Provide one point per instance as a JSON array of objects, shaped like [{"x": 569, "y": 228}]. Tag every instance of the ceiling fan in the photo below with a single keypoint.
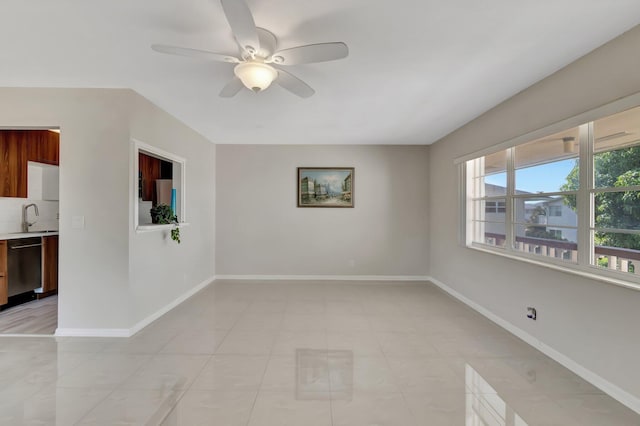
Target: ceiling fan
[{"x": 260, "y": 63}]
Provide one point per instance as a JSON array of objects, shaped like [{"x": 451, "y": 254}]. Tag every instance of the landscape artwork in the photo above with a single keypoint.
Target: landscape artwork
[{"x": 325, "y": 186}]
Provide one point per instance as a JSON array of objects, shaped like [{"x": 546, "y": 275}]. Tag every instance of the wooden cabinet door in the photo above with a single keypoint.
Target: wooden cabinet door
[
  {"x": 4, "y": 287},
  {"x": 13, "y": 164},
  {"x": 150, "y": 169},
  {"x": 49, "y": 263},
  {"x": 16, "y": 148},
  {"x": 43, "y": 146}
]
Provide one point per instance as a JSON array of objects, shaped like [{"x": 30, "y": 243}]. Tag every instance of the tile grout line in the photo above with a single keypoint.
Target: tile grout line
[{"x": 404, "y": 398}]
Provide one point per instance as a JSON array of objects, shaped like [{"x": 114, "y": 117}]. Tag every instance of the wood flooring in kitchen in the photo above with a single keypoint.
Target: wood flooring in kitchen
[{"x": 36, "y": 317}]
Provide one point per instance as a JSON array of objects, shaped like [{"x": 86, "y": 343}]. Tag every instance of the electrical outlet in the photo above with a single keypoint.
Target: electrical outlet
[{"x": 532, "y": 313}]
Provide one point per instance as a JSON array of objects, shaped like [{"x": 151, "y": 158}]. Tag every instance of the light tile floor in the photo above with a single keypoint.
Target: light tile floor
[{"x": 300, "y": 354}]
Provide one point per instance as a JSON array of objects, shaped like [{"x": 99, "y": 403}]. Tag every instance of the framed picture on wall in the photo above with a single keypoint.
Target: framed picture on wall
[{"x": 325, "y": 186}]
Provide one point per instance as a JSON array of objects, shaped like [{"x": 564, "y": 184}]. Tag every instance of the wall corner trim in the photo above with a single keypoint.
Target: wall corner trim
[
  {"x": 128, "y": 332},
  {"x": 325, "y": 277},
  {"x": 607, "y": 387}
]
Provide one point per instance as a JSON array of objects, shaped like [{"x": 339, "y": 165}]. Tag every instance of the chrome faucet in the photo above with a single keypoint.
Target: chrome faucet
[{"x": 25, "y": 223}]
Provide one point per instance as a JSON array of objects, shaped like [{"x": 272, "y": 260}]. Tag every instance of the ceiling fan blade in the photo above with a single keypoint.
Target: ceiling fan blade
[
  {"x": 193, "y": 53},
  {"x": 232, "y": 88},
  {"x": 294, "y": 84},
  {"x": 311, "y": 53},
  {"x": 242, "y": 24}
]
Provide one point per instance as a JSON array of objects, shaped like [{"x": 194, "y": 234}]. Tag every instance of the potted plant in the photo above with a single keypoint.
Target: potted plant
[{"x": 162, "y": 214}]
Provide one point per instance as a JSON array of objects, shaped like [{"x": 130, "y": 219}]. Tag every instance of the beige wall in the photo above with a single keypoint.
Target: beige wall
[
  {"x": 260, "y": 231},
  {"x": 100, "y": 290},
  {"x": 93, "y": 184},
  {"x": 590, "y": 322},
  {"x": 161, "y": 270}
]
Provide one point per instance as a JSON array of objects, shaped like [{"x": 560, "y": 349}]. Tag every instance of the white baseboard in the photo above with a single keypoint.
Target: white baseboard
[
  {"x": 128, "y": 332},
  {"x": 160, "y": 312},
  {"x": 92, "y": 332},
  {"x": 324, "y": 277},
  {"x": 51, "y": 336},
  {"x": 609, "y": 388}
]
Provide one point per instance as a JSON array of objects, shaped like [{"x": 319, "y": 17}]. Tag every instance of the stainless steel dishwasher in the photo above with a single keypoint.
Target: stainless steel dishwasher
[{"x": 24, "y": 264}]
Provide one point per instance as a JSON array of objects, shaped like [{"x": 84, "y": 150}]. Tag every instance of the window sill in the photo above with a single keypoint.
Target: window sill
[
  {"x": 568, "y": 268},
  {"x": 159, "y": 227}
]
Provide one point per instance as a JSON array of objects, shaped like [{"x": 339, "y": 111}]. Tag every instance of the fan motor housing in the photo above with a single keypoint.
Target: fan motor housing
[{"x": 268, "y": 44}]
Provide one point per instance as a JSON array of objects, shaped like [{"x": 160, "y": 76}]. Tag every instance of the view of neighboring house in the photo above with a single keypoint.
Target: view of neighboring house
[
  {"x": 557, "y": 216},
  {"x": 551, "y": 215}
]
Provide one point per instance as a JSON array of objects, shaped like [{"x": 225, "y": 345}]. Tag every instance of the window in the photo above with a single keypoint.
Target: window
[
  {"x": 160, "y": 179},
  {"x": 555, "y": 211},
  {"x": 555, "y": 233},
  {"x": 488, "y": 179},
  {"x": 571, "y": 198},
  {"x": 616, "y": 192},
  {"x": 495, "y": 207}
]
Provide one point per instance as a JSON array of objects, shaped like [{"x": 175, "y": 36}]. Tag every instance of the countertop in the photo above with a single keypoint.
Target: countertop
[{"x": 15, "y": 235}]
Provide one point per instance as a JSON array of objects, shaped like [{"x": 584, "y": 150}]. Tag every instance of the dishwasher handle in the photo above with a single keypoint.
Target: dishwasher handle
[{"x": 25, "y": 246}]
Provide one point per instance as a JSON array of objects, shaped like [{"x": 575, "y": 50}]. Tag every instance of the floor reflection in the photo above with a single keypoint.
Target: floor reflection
[
  {"x": 323, "y": 374},
  {"x": 274, "y": 354},
  {"x": 483, "y": 404}
]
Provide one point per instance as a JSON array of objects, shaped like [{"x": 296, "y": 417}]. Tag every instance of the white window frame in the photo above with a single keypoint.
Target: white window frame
[
  {"x": 585, "y": 198},
  {"x": 137, "y": 147}
]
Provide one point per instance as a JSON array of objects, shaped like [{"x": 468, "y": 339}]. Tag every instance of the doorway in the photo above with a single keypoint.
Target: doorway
[{"x": 29, "y": 228}]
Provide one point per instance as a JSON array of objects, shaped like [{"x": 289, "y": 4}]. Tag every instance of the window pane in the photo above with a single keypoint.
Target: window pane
[
  {"x": 557, "y": 242},
  {"x": 556, "y": 147},
  {"x": 490, "y": 210},
  {"x": 549, "y": 177},
  {"x": 490, "y": 233},
  {"x": 548, "y": 164},
  {"x": 545, "y": 211},
  {"x": 490, "y": 186},
  {"x": 495, "y": 185},
  {"x": 488, "y": 173},
  {"x": 617, "y": 131},
  {"x": 617, "y": 168},
  {"x": 495, "y": 163},
  {"x": 556, "y": 233},
  {"x": 619, "y": 210},
  {"x": 619, "y": 252}
]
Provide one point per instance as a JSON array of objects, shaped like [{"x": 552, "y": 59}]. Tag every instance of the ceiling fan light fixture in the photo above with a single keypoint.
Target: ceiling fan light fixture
[{"x": 256, "y": 76}]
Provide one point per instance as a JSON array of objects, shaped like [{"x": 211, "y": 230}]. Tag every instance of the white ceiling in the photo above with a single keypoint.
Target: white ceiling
[{"x": 417, "y": 69}]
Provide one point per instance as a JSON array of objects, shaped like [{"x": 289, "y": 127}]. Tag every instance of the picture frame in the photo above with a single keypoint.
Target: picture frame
[{"x": 326, "y": 187}]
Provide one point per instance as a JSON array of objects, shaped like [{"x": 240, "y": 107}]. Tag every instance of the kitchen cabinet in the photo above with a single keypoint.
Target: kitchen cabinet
[
  {"x": 17, "y": 147},
  {"x": 43, "y": 146},
  {"x": 49, "y": 263},
  {"x": 4, "y": 289},
  {"x": 13, "y": 164},
  {"x": 150, "y": 170}
]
